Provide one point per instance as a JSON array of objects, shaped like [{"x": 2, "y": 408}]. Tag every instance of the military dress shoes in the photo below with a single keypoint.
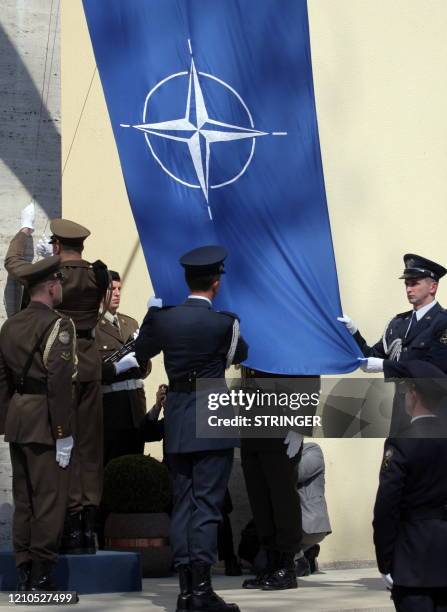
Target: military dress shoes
[
  {"x": 41, "y": 576},
  {"x": 203, "y": 598},
  {"x": 72, "y": 542},
  {"x": 185, "y": 582},
  {"x": 23, "y": 576},
  {"x": 284, "y": 576},
  {"x": 261, "y": 577}
]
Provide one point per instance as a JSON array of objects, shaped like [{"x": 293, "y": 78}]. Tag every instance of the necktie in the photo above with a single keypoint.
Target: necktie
[{"x": 413, "y": 321}]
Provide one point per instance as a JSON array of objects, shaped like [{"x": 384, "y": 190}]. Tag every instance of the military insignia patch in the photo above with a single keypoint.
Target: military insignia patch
[
  {"x": 66, "y": 356},
  {"x": 443, "y": 337},
  {"x": 387, "y": 458},
  {"x": 64, "y": 337}
]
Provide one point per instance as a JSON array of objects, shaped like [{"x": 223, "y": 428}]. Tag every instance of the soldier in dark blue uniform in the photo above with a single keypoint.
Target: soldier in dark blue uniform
[
  {"x": 197, "y": 342},
  {"x": 410, "y": 514},
  {"x": 420, "y": 333}
]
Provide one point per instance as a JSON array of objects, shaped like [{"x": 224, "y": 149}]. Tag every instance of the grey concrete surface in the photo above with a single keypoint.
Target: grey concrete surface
[
  {"x": 330, "y": 591},
  {"x": 30, "y": 150}
]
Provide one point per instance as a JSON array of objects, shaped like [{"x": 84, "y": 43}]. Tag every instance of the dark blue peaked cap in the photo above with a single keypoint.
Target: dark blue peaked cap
[
  {"x": 204, "y": 260},
  {"x": 420, "y": 267}
]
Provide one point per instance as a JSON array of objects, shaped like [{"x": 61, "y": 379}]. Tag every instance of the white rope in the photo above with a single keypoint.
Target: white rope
[
  {"x": 394, "y": 350},
  {"x": 233, "y": 345}
]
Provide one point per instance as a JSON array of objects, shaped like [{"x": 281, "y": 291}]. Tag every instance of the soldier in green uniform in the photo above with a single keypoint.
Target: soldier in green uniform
[
  {"x": 124, "y": 400},
  {"x": 37, "y": 370},
  {"x": 85, "y": 287}
]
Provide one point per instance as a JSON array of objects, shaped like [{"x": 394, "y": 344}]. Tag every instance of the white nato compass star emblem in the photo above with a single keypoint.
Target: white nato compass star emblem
[{"x": 198, "y": 130}]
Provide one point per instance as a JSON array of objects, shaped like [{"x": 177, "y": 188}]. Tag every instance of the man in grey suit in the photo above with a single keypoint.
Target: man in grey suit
[{"x": 316, "y": 525}]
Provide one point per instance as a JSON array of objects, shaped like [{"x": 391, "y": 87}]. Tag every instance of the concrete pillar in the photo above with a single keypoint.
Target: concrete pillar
[{"x": 30, "y": 151}]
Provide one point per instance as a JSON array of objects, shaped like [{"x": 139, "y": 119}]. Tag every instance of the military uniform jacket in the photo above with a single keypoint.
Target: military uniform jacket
[
  {"x": 410, "y": 544},
  {"x": 122, "y": 409},
  {"x": 81, "y": 302},
  {"x": 195, "y": 341},
  {"x": 43, "y": 417},
  {"x": 426, "y": 340}
]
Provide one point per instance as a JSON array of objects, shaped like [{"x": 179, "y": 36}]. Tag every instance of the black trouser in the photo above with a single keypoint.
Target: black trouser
[
  {"x": 199, "y": 482},
  {"x": 271, "y": 479},
  {"x": 411, "y": 599},
  {"x": 40, "y": 490}
]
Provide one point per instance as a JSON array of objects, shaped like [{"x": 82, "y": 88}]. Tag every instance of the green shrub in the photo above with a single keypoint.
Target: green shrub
[{"x": 136, "y": 483}]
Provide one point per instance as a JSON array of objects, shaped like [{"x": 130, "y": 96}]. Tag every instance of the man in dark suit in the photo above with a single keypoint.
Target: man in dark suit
[
  {"x": 124, "y": 400},
  {"x": 420, "y": 333},
  {"x": 197, "y": 342},
  {"x": 37, "y": 371},
  {"x": 410, "y": 513}
]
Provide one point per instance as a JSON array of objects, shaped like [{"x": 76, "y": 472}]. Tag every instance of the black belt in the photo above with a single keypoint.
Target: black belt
[
  {"x": 85, "y": 333},
  {"x": 426, "y": 514},
  {"x": 182, "y": 386},
  {"x": 30, "y": 386}
]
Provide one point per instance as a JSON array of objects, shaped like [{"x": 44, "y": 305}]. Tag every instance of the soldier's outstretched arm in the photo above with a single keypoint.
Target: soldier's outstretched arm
[
  {"x": 15, "y": 259},
  {"x": 369, "y": 351},
  {"x": 147, "y": 344},
  {"x": 60, "y": 360},
  {"x": 387, "y": 509}
]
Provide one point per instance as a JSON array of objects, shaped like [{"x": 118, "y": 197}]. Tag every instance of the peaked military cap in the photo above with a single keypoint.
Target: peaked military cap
[
  {"x": 204, "y": 260},
  {"x": 420, "y": 267},
  {"x": 426, "y": 377},
  {"x": 45, "y": 269},
  {"x": 68, "y": 232}
]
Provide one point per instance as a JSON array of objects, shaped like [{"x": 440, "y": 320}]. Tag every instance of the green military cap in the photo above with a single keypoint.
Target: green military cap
[
  {"x": 45, "y": 269},
  {"x": 68, "y": 232}
]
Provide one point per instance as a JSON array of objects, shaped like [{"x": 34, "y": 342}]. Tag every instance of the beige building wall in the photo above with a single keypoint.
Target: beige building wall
[{"x": 379, "y": 70}]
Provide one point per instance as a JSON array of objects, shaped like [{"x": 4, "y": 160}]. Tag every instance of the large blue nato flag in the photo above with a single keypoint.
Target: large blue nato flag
[{"x": 212, "y": 106}]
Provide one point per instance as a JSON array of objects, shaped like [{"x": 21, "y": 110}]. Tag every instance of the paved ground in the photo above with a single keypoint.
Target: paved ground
[{"x": 332, "y": 590}]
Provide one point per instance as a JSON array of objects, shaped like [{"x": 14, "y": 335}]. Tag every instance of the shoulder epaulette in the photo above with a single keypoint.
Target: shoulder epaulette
[{"x": 228, "y": 313}]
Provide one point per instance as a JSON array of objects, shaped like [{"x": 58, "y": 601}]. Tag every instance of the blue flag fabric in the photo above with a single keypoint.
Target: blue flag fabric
[{"x": 213, "y": 112}]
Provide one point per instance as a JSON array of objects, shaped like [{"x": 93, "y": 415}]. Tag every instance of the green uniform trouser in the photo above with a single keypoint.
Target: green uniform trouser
[{"x": 40, "y": 489}]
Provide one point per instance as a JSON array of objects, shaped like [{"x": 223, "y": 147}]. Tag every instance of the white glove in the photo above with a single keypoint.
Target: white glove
[
  {"x": 126, "y": 363},
  {"x": 43, "y": 247},
  {"x": 371, "y": 364},
  {"x": 350, "y": 325},
  {"x": 293, "y": 441},
  {"x": 387, "y": 580},
  {"x": 27, "y": 216},
  {"x": 154, "y": 302},
  {"x": 136, "y": 334},
  {"x": 64, "y": 446}
]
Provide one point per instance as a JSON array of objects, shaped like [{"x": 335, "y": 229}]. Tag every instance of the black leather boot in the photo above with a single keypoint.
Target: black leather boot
[
  {"x": 185, "y": 582},
  {"x": 23, "y": 576},
  {"x": 41, "y": 576},
  {"x": 88, "y": 528},
  {"x": 258, "y": 581},
  {"x": 284, "y": 575},
  {"x": 203, "y": 598},
  {"x": 311, "y": 555},
  {"x": 72, "y": 537}
]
